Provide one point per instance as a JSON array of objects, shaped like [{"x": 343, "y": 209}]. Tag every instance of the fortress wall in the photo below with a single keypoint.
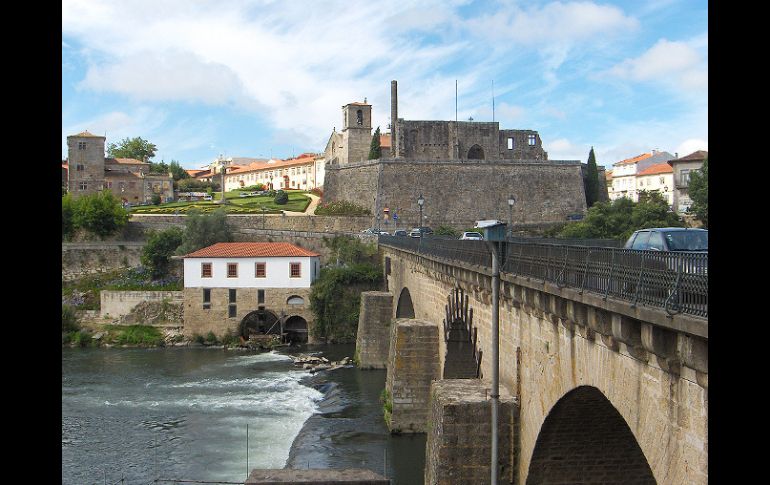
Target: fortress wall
[{"x": 458, "y": 193}]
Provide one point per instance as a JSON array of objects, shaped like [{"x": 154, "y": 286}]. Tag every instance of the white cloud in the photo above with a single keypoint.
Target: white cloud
[
  {"x": 676, "y": 63},
  {"x": 692, "y": 145}
]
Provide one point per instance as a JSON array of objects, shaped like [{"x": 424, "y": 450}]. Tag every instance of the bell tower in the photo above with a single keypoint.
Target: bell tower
[{"x": 356, "y": 132}]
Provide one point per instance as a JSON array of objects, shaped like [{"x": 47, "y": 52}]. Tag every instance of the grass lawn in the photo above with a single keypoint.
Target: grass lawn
[{"x": 236, "y": 204}]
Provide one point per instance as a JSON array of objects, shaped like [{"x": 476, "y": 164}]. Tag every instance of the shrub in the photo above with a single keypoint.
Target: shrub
[
  {"x": 138, "y": 335},
  {"x": 101, "y": 214},
  {"x": 281, "y": 197},
  {"x": 159, "y": 248},
  {"x": 156, "y": 199},
  {"x": 211, "y": 338},
  {"x": 67, "y": 217},
  {"x": 69, "y": 320},
  {"x": 317, "y": 191},
  {"x": 446, "y": 231}
]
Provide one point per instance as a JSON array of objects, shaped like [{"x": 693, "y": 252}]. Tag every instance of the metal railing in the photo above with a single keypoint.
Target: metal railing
[{"x": 674, "y": 281}]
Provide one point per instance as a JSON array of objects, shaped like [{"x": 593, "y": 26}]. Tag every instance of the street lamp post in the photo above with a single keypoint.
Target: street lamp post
[
  {"x": 511, "y": 201},
  {"x": 420, "y": 202}
]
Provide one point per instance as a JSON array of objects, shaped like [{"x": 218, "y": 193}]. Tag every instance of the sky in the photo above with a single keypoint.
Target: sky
[{"x": 268, "y": 78}]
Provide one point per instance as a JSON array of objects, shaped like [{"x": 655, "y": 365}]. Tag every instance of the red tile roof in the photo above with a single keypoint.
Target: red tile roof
[
  {"x": 303, "y": 159},
  {"x": 125, "y": 161},
  {"x": 694, "y": 156},
  {"x": 385, "y": 140},
  {"x": 656, "y": 169},
  {"x": 635, "y": 159},
  {"x": 250, "y": 250},
  {"x": 86, "y": 134}
]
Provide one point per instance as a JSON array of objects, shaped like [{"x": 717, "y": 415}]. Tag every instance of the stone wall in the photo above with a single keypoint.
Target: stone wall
[
  {"x": 649, "y": 366},
  {"x": 80, "y": 259},
  {"x": 115, "y": 304},
  {"x": 458, "y": 193},
  {"x": 216, "y": 319},
  {"x": 374, "y": 328},
  {"x": 413, "y": 363},
  {"x": 459, "y": 441}
]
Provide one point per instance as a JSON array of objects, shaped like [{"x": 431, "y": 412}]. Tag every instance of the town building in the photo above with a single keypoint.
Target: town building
[
  {"x": 682, "y": 168},
  {"x": 624, "y": 173},
  {"x": 658, "y": 178},
  {"x": 304, "y": 172},
  {"x": 130, "y": 180},
  {"x": 249, "y": 288}
]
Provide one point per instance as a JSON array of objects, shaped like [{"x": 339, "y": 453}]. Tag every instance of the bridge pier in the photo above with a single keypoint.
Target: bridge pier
[
  {"x": 458, "y": 447},
  {"x": 413, "y": 363},
  {"x": 374, "y": 328}
]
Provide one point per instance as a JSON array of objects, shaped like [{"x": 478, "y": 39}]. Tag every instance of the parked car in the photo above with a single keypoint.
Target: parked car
[
  {"x": 400, "y": 232},
  {"x": 370, "y": 230},
  {"x": 208, "y": 197},
  {"x": 472, "y": 236},
  {"x": 421, "y": 231},
  {"x": 675, "y": 239}
]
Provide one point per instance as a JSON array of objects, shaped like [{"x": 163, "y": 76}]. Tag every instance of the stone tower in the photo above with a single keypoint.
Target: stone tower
[
  {"x": 356, "y": 132},
  {"x": 85, "y": 155}
]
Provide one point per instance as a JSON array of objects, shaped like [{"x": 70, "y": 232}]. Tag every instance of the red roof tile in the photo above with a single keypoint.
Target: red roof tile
[
  {"x": 694, "y": 156},
  {"x": 250, "y": 250},
  {"x": 635, "y": 159},
  {"x": 125, "y": 161},
  {"x": 656, "y": 169},
  {"x": 385, "y": 140}
]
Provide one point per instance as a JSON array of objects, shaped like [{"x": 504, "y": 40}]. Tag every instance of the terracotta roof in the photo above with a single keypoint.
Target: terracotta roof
[
  {"x": 125, "y": 161},
  {"x": 303, "y": 159},
  {"x": 250, "y": 250},
  {"x": 356, "y": 103},
  {"x": 636, "y": 159},
  {"x": 86, "y": 134},
  {"x": 656, "y": 169},
  {"x": 385, "y": 140}
]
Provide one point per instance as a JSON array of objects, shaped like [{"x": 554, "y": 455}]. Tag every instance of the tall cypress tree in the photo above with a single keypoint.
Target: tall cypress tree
[
  {"x": 592, "y": 180},
  {"x": 375, "y": 150}
]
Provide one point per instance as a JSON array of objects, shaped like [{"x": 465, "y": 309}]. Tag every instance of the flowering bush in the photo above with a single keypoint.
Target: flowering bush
[{"x": 341, "y": 208}]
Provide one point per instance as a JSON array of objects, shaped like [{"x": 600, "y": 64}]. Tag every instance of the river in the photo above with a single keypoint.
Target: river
[{"x": 183, "y": 413}]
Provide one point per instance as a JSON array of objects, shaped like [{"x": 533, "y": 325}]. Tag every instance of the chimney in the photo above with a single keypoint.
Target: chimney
[{"x": 393, "y": 118}]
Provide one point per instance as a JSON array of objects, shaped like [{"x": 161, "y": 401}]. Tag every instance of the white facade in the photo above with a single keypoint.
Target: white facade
[
  {"x": 302, "y": 174},
  {"x": 277, "y": 272},
  {"x": 663, "y": 183}
]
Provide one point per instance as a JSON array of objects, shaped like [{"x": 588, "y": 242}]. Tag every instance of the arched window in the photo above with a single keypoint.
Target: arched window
[
  {"x": 295, "y": 300},
  {"x": 359, "y": 117},
  {"x": 476, "y": 153}
]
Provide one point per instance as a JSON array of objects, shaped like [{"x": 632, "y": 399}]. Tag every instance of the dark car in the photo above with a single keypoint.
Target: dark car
[
  {"x": 400, "y": 232},
  {"x": 669, "y": 239}
]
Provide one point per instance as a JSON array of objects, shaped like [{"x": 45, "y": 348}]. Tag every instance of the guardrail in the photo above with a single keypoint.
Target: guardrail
[{"x": 674, "y": 281}]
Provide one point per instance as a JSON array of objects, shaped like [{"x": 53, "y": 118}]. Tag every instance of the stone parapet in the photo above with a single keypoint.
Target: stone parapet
[
  {"x": 350, "y": 476},
  {"x": 374, "y": 327},
  {"x": 413, "y": 363},
  {"x": 459, "y": 441},
  {"x": 115, "y": 304}
]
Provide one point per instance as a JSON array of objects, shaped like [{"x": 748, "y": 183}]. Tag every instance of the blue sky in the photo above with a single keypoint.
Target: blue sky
[{"x": 262, "y": 78}]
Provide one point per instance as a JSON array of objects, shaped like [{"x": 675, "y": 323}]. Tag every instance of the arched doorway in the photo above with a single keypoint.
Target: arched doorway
[
  {"x": 476, "y": 153},
  {"x": 295, "y": 330},
  {"x": 405, "y": 308},
  {"x": 259, "y": 322},
  {"x": 582, "y": 435}
]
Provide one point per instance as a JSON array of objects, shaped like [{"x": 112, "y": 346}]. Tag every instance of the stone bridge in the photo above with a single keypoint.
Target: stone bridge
[{"x": 603, "y": 379}]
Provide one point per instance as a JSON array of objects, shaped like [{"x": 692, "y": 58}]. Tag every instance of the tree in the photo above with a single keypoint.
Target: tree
[
  {"x": 67, "y": 217},
  {"x": 699, "y": 193},
  {"x": 132, "y": 148},
  {"x": 592, "y": 180},
  {"x": 203, "y": 230},
  {"x": 161, "y": 245},
  {"x": 195, "y": 185},
  {"x": 177, "y": 171},
  {"x": 620, "y": 218},
  {"x": 375, "y": 150},
  {"x": 159, "y": 167},
  {"x": 101, "y": 214},
  {"x": 281, "y": 198}
]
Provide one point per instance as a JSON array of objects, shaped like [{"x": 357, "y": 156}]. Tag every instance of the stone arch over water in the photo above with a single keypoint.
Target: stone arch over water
[
  {"x": 405, "y": 308},
  {"x": 296, "y": 329},
  {"x": 259, "y": 322},
  {"x": 476, "y": 153},
  {"x": 584, "y": 439}
]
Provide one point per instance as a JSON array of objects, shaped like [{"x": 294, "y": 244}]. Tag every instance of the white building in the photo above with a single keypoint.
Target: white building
[
  {"x": 305, "y": 172},
  {"x": 247, "y": 288},
  {"x": 624, "y": 172},
  {"x": 657, "y": 178}
]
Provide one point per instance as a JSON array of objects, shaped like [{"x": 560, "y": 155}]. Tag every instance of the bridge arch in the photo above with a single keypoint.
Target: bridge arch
[
  {"x": 585, "y": 436},
  {"x": 404, "y": 307}
]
